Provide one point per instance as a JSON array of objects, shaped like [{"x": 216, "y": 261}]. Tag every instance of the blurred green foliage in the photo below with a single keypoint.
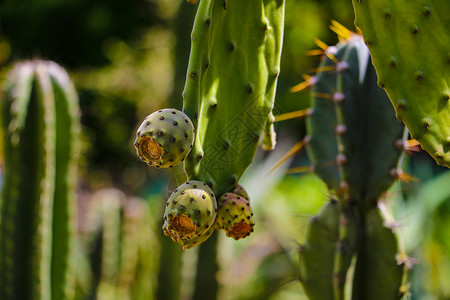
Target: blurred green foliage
[{"x": 128, "y": 58}]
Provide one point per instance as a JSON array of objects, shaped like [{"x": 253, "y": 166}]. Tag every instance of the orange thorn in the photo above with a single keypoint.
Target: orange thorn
[
  {"x": 413, "y": 145},
  {"x": 398, "y": 173},
  {"x": 296, "y": 148},
  {"x": 322, "y": 69},
  {"x": 321, "y": 44},
  {"x": 300, "y": 169},
  {"x": 306, "y": 76},
  {"x": 341, "y": 30},
  {"x": 292, "y": 115},
  {"x": 303, "y": 85},
  {"x": 407, "y": 178},
  {"x": 332, "y": 57},
  {"x": 322, "y": 95},
  {"x": 314, "y": 52}
]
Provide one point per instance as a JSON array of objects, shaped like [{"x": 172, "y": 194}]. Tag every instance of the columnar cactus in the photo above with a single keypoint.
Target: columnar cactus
[
  {"x": 164, "y": 138},
  {"x": 121, "y": 244},
  {"x": 410, "y": 44},
  {"x": 40, "y": 125},
  {"x": 353, "y": 142}
]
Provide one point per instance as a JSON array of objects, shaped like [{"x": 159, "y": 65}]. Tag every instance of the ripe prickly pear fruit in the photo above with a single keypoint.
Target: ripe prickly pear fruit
[
  {"x": 234, "y": 215},
  {"x": 240, "y": 191},
  {"x": 164, "y": 138},
  {"x": 190, "y": 211}
]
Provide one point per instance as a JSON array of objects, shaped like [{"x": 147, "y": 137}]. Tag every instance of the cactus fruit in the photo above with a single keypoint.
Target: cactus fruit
[
  {"x": 410, "y": 46},
  {"x": 190, "y": 211},
  {"x": 164, "y": 138},
  {"x": 40, "y": 126},
  {"x": 234, "y": 215}
]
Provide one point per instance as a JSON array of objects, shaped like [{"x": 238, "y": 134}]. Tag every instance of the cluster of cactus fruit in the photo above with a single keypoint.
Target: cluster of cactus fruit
[
  {"x": 355, "y": 144},
  {"x": 228, "y": 96},
  {"x": 192, "y": 212}
]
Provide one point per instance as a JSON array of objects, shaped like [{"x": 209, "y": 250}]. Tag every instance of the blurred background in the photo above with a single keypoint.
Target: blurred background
[{"x": 129, "y": 58}]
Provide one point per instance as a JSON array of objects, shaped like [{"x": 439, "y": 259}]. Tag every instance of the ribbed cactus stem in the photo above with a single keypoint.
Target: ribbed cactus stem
[{"x": 40, "y": 123}]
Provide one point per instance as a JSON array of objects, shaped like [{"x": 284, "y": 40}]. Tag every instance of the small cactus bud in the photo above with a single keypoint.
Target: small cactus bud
[
  {"x": 234, "y": 215},
  {"x": 190, "y": 211},
  {"x": 164, "y": 138}
]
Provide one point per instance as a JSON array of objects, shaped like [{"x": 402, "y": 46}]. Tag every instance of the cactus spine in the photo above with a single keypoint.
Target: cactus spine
[
  {"x": 352, "y": 141},
  {"x": 410, "y": 45},
  {"x": 40, "y": 124}
]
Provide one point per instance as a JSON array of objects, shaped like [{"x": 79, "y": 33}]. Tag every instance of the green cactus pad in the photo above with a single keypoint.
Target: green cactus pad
[
  {"x": 234, "y": 215},
  {"x": 410, "y": 46},
  {"x": 230, "y": 86},
  {"x": 190, "y": 211},
  {"x": 164, "y": 138}
]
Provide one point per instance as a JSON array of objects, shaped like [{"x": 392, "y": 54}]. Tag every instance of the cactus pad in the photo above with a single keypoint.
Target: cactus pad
[
  {"x": 230, "y": 86},
  {"x": 410, "y": 45},
  {"x": 164, "y": 138},
  {"x": 190, "y": 211},
  {"x": 234, "y": 215}
]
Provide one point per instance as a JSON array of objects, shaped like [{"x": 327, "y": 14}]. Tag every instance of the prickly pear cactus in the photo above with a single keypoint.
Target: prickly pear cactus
[
  {"x": 190, "y": 211},
  {"x": 164, "y": 138},
  {"x": 40, "y": 125},
  {"x": 230, "y": 86},
  {"x": 234, "y": 215},
  {"x": 352, "y": 140},
  {"x": 410, "y": 46}
]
